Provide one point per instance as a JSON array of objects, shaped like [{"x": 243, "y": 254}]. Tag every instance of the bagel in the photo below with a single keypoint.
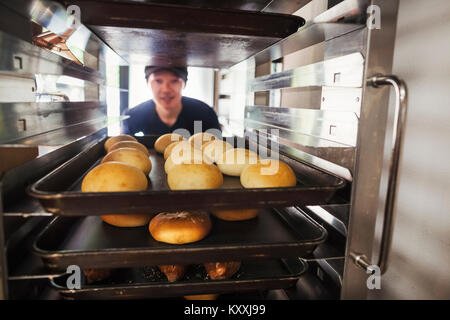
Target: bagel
[{"x": 180, "y": 227}]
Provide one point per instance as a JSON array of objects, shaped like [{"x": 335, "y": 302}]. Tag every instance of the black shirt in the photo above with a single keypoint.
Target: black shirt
[{"x": 145, "y": 119}]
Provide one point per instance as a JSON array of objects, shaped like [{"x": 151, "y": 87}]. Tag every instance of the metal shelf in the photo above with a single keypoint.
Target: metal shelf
[
  {"x": 308, "y": 35},
  {"x": 345, "y": 71}
]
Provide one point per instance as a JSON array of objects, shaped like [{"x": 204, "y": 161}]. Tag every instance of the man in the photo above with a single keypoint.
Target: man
[{"x": 168, "y": 110}]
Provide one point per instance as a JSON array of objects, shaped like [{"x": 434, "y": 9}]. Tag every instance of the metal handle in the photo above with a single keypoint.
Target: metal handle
[{"x": 397, "y": 138}]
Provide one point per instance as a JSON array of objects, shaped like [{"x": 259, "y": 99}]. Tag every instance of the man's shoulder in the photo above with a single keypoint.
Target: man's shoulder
[{"x": 143, "y": 107}]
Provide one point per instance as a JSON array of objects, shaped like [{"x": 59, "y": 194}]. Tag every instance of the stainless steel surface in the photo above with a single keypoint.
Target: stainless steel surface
[
  {"x": 335, "y": 215},
  {"x": 3, "y": 262},
  {"x": 326, "y": 135},
  {"x": 345, "y": 71},
  {"x": 40, "y": 118},
  {"x": 397, "y": 140},
  {"x": 369, "y": 154},
  {"x": 309, "y": 35},
  {"x": 35, "y": 60},
  {"x": 345, "y": 11}
]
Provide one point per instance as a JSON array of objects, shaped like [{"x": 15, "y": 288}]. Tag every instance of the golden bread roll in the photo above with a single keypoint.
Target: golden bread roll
[
  {"x": 206, "y": 296},
  {"x": 117, "y": 176},
  {"x": 178, "y": 157},
  {"x": 173, "y": 272},
  {"x": 183, "y": 145},
  {"x": 180, "y": 227},
  {"x": 122, "y": 137},
  {"x": 235, "y": 160},
  {"x": 129, "y": 144},
  {"x": 114, "y": 176},
  {"x": 126, "y": 220},
  {"x": 199, "y": 139},
  {"x": 163, "y": 141},
  {"x": 235, "y": 214},
  {"x": 132, "y": 157},
  {"x": 194, "y": 177},
  {"x": 222, "y": 270},
  {"x": 268, "y": 173},
  {"x": 215, "y": 149}
]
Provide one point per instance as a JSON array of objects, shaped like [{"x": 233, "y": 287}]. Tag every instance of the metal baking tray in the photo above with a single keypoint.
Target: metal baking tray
[
  {"x": 91, "y": 243},
  {"x": 149, "y": 282},
  {"x": 60, "y": 191}
]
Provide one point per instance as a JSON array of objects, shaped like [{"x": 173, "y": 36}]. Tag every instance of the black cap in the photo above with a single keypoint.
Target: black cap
[{"x": 180, "y": 72}]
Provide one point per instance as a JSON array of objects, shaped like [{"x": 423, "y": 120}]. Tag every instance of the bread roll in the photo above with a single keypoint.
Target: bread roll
[
  {"x": 222, "y": 270},
  {"x": 122, "y": 137},
  {"x": 235, "y": 214},
  {"x": 180, "y": 227},
  {"x": 235, "y": 160},
  {"x": 132, "y": 157},
  {"x": 163, "y": 141},
  {"x": 198, "y": 139},
  {"x": 114, "y": 176},
  {"x": 268, "y": 173},
  {"x": 117, "y": 176},
  {"x": 192, "y": 156},
  {"x": 194, "y": 177},
  {"x": 215, "y": 149},
  {"x": 183, "y": 145},
  {"x": 126, "y": 220},
  {"x": 129, "y": 144},
  {"x": 173, "y": 272}
]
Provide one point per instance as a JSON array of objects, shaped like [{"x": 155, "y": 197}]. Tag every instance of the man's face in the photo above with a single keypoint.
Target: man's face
[{"x": 166, "y": 88}]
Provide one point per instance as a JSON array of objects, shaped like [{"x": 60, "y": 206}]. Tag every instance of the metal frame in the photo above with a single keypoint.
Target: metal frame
[{"x": 369, "y": 158}]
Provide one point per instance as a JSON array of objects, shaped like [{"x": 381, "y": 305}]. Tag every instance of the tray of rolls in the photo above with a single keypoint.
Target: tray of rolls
[
  {"x": 177, "y": 238},
  {"x": 197, "y": 282},
  {"x": 142, "y": 176}
]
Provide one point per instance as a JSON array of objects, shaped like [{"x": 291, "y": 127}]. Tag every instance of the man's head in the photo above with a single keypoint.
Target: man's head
[{"x": 166, "y": 84}]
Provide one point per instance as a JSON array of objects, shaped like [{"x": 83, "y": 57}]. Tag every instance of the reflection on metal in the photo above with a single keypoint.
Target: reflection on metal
[
  {"x": 45, "y": 117},
  {"x": 307, "y": 36},
  {"x": 335, "y": 129},
  {"x": 57, "y": 43},
  {"x": 23, "y": 58},
  {"x": 345, "y": 12},
  {"x": 335, "y": 215},
  {"x": 81, "y": 44},
  {"x": 346, "y": 71},
  {"x": 326, "y": 136}
]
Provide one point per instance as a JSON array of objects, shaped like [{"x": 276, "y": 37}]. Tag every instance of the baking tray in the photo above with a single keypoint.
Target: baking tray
[
  {"x": 91, "y": 243},
  {"x": 59, "y": 192},
  {"x": 149, "y": 282}
]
